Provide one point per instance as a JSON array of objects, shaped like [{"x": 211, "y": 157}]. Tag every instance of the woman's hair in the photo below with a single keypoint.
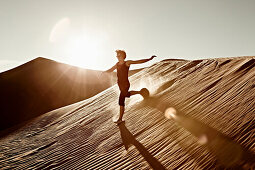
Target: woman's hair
[{"x": 121, "y": 52}]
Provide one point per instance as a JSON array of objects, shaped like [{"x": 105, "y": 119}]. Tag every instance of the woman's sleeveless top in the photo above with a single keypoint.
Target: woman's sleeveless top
[{"x": 122, "y": 73}]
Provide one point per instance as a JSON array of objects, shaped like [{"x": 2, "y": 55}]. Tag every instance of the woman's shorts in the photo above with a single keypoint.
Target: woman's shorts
[{"x": 123, "y": 93}]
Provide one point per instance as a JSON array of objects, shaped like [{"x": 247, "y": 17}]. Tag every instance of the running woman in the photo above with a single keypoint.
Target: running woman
[{"x": 122, "y": 67}]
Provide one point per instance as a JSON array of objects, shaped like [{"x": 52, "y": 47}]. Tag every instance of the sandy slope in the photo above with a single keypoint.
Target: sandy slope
[
  {"x": 213, "y": 128},
  {"x": 42, "y": 85}
]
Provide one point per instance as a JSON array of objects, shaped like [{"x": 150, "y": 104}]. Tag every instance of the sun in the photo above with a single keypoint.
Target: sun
[
  {"x": 84, "y": 52},
  {"x": 76, "y": 46}
]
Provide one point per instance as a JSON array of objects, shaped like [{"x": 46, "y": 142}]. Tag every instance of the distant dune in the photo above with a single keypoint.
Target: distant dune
[
  {"x": 210, "y": 124},
  {"x": 42, "y": 85}
]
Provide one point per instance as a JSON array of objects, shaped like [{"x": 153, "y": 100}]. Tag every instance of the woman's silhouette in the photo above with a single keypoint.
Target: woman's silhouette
[{"x": 122, "y": 67}]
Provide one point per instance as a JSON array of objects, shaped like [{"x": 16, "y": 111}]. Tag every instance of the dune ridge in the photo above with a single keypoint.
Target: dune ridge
[{"x": 42, "y": 85}]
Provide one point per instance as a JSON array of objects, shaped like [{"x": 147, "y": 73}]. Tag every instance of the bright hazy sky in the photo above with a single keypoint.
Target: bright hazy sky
[{"x": 87, "y": 32}]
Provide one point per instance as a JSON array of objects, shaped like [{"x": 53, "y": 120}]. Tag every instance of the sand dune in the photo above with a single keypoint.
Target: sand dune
[
  {"x": 42, "y": 85},
  {"x": 211, "y": 123}
]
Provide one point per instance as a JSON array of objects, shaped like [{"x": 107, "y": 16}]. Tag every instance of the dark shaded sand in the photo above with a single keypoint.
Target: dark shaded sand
[{"x": 42, "y": 85}]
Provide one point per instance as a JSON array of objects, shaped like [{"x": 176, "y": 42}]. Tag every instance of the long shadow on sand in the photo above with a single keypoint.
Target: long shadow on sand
[
  {"x": 128, "y": 138},
  {"x": 228, "y": 153}
]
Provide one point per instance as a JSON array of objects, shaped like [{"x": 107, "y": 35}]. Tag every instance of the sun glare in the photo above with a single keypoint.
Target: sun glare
[
  {"x": 78, "y": 46},
  {"x": 83, "y": 52}
]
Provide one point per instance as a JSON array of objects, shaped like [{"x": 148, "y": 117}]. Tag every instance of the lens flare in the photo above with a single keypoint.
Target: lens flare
[
  {"x": 60, "y": 30},
  {"x": 202, "y": 139},
  {"x": 170, "y": 113}
]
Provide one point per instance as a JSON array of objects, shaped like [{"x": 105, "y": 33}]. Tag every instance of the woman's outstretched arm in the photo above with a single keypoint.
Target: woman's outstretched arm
[
  {"x": 111, "y": 69},
  {"x": 129, "y": 62}
]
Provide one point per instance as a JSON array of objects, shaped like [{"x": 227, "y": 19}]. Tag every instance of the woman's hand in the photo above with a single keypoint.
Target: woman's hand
[
  {"x": 104, "y": 76},
  {"x": 152, "y": 57}
]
